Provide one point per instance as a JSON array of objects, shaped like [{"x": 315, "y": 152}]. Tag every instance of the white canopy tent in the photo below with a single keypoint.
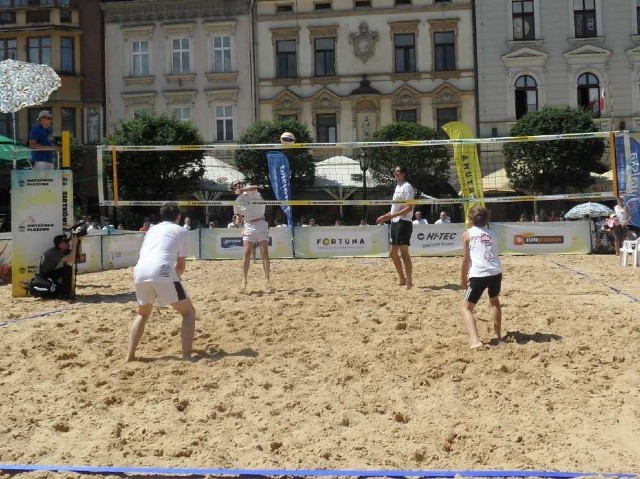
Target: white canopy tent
[{"x": 220, "y": 173}]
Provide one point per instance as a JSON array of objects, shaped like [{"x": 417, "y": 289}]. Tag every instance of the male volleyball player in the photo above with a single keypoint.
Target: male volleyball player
[
  {"x": 157, "y": 276},
  {"x": 401, "y": 227},
  {"x": 256, "y": 229},
  {"x": 481, "y": 269}
]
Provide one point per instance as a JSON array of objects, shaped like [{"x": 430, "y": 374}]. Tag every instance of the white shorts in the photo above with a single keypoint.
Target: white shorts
[
  {"x": 256, "y": 231},
  {"x": 163, "y": 292}
]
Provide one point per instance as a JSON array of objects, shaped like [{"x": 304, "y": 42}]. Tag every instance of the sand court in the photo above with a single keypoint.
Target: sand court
[{"x": 339, "y": 368}]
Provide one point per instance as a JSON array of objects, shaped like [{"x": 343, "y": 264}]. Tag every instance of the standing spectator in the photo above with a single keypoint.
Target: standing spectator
[
  {"x": 145, "y": 225},
  {"x": 187, "y": 223},
  {"x": 401, "y": 227},
  {"x": 338, "y": 222},
  {"x": 523, "y": 218},
  {"x": 158, "y": 277},
  {"x": 236, "y": 222},
  {"x": 213, "y": 224},
  {"x": 41, "y": 142},
  {"x": 420, "y": 220},
  {"x": 444, "y": 218}
]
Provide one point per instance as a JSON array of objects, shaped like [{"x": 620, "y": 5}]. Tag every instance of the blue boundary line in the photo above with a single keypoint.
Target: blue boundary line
[{"x": 303, "y": 472}]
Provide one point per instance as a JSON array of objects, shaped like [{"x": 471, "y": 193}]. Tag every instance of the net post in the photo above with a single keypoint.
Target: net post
[
  {"x": 100, "y": 166},
  {"x": 614, "y": 162},
  {"x": 114, "y": 162},
  {"x": 66, "y": 149},
  {"x": 627, "y": 152}
]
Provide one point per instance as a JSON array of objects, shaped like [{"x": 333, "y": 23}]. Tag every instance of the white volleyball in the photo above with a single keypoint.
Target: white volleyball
[{"x": 287, "y": 138}]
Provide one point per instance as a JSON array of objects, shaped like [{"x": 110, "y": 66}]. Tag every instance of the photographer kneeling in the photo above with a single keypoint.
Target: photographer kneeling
[{"x": 56, "y": 264}]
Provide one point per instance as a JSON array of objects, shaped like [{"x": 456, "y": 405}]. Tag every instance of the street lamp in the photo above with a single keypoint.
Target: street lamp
[{"x": 363, "y": 159}]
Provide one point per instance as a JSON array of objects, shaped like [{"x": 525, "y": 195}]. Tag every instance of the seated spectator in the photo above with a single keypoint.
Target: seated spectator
[
  {"x": 444, "y": 218},
  {"x": 338, "y": 222},
  {"x": 420, "y": 220},
  {"x": 236, "y": 222}
]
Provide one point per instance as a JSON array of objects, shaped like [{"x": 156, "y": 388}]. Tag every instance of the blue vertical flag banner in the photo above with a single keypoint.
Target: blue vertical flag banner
[
  {"x": 280, "y": 177},
  {"x": 628, "y": 170}
]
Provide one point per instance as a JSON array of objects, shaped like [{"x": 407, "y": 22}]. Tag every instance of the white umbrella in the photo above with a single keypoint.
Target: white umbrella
[
  {"x": 25, "y": 84},
  {"x": 592, "y": 210}
]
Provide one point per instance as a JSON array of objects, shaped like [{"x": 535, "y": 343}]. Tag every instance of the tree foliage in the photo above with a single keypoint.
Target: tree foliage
[
  {"x": 156, "y": 175},
  {"x": 553, "y": 166},
  {"x": 428, "y": 166},
  {"x": 253, "y": 163}
]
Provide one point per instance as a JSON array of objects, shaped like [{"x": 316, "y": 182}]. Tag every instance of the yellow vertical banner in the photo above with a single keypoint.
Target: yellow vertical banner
[
  {"x": 467, "y": 163},
  {"x": 66, "y": 149}
]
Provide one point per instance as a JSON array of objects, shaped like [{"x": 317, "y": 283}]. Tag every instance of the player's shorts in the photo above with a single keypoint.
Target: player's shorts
[
  {"x": 164, "y": 292},
  {"x": 478, "y": 285},
  {"x": 401, "y": 232},
  {"x": 256, "y": 231}
]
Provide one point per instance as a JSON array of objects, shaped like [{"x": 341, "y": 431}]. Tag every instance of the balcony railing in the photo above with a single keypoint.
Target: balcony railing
[{"x": 33, "y": 3}]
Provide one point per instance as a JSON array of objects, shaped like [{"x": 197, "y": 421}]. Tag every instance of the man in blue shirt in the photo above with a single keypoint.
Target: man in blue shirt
[{"x": 41, "y": 142}]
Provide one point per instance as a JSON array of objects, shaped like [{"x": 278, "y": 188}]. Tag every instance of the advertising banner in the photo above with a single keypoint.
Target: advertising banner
[
  {"x": 334, "y": 242},
  {"x": 437, "y": 240},
  {"x": 121, "y": 250},
  {"x": 5, "y": 258},
  {"x": 280, "y": 178},
  {"x": 222, "y": 243},
  {"x": 36, "y": 217},
  {"x": 67, "y": 199},
  {"x": 573, "y": 237},
  {"x": 90, "y": 259}
]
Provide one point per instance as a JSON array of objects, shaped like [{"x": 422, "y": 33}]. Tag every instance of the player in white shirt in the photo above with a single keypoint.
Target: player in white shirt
[
  {"x": 481, "y": 269},
  {"x": 256, "y": 229},
  {"x": 157, "y": 276},
  {"x": 401, "y": 227}
]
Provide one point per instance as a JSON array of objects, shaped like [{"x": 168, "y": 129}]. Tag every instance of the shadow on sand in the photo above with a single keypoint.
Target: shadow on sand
[{"x": 524, "y": 338}]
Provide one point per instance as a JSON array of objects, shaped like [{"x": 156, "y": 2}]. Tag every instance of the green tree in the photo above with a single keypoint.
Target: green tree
[
  {"x": 428, "y": 165},
  {"x": 153, "y": 175},
  {"x": 253, "y": 163},
  {"x": 550, "y": 167}
]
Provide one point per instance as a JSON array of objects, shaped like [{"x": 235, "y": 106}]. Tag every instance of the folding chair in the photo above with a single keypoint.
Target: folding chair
[{"x": 630, "y": 247}]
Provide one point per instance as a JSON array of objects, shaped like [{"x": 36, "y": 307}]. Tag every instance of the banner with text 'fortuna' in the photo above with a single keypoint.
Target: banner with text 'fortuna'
[
  {"x": 280, "y": 178},
  {"x": 628, "y": 173},
  {"x": 467, "y": 163}
]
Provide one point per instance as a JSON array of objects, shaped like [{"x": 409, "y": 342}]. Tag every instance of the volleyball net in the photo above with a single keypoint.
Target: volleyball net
[{"x": 445, "y": 172}]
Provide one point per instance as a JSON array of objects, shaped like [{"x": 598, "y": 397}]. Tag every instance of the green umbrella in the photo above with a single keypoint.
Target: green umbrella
[{"x": 7, "y": 148}]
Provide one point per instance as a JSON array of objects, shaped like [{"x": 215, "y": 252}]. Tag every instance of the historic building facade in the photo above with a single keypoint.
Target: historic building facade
[
  {"x": 66, "y": 35},
  {"x": 188, "y": 58},
  {"x": 346, "y": 67},
  {"x": 533, "y": 54}
]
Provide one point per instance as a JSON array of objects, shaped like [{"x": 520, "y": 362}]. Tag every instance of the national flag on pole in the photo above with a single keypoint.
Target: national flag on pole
[{"x": 603, "y": 101}]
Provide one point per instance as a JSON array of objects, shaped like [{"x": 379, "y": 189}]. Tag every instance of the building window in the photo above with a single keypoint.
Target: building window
[
  {"x": 523, "y": 20},
  {"x": 65, "y": 15},
  {"x": 326, "y": 128},
  {"x": 403, "y": 2},
  {"x": 444, "y": 116},
  {"x": 7, "y": 18},
  {"x": 584, "y": 18},
  {"x": 322, "y": 7},
  {"x": 362, "y": 3},
  {"x": 286, "y": 60},
  {"x": 526, "y": 96},
  {"x": 140, "y": 113},
  {"x": 38, "y": 16},
  {"x": 181, "y": 56},
  {"x": 325, "y": 51},
  {"x": 182, "y": 113},
  {"x": 8, "y": 49},
  {"x": 224, "y": 123},
  {"x": 589, "y": 93},
  {"x": 68, "y": 122},
  {"x": 405, "y": 45},
  {"x": 67, "y": 57},
  {"x": 222, "y": 54},
  {"x": 40, "y": 50},
  {"x": 638, "y": 16},
  {"x": 288, "y": 117},
  {"x": 407, "y": 115},
  {"x": 140, "y": 58},
  {"x": 284, "y": 8},
  {"x": 445, "y": 50}
]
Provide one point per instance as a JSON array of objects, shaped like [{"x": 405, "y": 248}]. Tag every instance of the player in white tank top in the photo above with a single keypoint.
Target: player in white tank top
[{"x": 481, "y": 269}]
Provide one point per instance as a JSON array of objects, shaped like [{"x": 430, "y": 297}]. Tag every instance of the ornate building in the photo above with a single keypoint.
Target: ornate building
[
  {"x": 188, "y": 58},
  {"x": 533, "y": 54},
  {"x": 347, "y": 67}
]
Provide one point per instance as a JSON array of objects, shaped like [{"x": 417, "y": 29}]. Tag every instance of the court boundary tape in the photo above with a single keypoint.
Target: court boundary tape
[
  {"x": 612, "y": 288},
  {"x": 10, "y": 322},
  {"x": 102, "y": 470}
]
